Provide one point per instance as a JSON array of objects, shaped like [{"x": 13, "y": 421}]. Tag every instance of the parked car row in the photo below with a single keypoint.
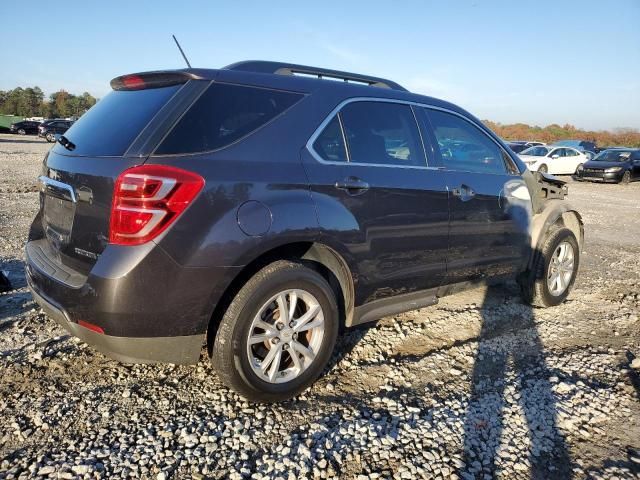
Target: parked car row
[
  {"x": 47, "y": 129},
  {"x": 611, "y": 165}
]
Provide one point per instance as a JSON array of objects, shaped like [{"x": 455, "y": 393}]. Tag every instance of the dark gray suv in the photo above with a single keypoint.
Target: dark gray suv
[{"x": 260, "y": 208}]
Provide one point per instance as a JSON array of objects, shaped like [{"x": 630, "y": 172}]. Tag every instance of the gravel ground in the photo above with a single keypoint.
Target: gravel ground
[{"x": 479, "y": 386}]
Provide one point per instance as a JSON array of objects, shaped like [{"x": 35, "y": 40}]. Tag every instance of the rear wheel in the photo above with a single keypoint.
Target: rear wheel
[
  {"x": 543, "y": 169},
  {"x": 626, "y": 178},
  {"x": 554, "y": 270},
  {"x": 278, "y": 333}
]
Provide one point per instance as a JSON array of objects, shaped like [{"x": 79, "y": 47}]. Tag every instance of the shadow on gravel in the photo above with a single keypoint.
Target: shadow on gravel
[{"x": 485, "y": 414}]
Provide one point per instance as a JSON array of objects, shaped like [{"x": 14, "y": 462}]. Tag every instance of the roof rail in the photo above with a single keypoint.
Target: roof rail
[{"x": 278, "y": 68}]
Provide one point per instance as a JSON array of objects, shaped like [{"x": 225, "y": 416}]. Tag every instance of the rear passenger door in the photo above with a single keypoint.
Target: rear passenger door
[
  {"x": 377, "y": 196},
  {"x": 490, "y": 213}
]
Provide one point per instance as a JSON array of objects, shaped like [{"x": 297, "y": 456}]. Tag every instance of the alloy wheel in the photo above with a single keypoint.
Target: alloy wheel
[
  {"x": 561, "y": 269},
  {"x": 285, "y": 336}
]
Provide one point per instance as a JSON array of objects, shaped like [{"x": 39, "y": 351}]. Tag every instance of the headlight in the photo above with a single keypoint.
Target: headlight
[{"x": 613, "y": 169}]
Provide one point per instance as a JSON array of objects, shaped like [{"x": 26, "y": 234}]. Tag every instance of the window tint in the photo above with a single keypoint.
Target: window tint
[
  {"x": 464, "y": 146},
  {"x": 224, "y": 114},
  {"x": 109, "y": 127},
  {"x": 382, "y": 133},
  {"x": 330, "y": 144}
]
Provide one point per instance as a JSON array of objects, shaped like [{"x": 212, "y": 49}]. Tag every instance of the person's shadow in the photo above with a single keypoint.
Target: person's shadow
[{"x": 510, "y": 348}]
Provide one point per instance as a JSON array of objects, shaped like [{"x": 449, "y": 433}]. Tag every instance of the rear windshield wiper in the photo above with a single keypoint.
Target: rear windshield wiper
[{"x": 66, "y": 143}]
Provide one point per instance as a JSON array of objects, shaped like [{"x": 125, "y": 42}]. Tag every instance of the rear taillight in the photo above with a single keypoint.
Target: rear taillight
[{"x": 147, "y": 199}]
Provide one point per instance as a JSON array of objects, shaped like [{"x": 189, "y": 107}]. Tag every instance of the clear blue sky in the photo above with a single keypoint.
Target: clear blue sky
[{"x": 538, "y": 62}]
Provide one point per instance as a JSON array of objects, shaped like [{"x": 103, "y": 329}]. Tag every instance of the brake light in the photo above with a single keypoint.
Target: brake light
[
  {"x": 147, "y": 199},
  {"x": 133, "y": 82}
]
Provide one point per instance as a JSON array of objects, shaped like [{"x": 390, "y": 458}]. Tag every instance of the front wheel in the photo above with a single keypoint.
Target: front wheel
[
  {"x": 50, "y": 137},
  {"x": 278, "y": 333},
  {"x": 22, "y": 131},
  {"x": 543, "y": 169},
  {"x": 626, "y": 178},
  {"x": 554, "y": 270},
  {"x": 578, "y": 168}
]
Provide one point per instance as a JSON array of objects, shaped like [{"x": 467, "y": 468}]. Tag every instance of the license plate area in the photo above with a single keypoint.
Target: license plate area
[{"x": 58, "y": 212}]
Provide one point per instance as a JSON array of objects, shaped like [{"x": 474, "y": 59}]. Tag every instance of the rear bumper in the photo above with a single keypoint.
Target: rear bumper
[
  {"x": 150, "y": 308},
  {"x": 183, "y": 350}
]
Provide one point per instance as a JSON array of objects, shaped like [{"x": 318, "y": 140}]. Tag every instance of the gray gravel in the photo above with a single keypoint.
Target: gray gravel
[{"x": 479, "y": 386}]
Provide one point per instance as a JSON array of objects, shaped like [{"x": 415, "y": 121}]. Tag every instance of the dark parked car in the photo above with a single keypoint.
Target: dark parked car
[
  {"x": 616, "y": 165},
  {"x": 51, "y": 128},
  {"x": 260, "y": 211},
  {"x": 25, "y": 127}
]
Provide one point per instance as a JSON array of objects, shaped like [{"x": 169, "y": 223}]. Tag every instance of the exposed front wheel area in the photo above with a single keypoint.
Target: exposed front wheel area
[
  {"x": 551, "y": 277},
  {"x": 561, "y": 269},
  {"x": 278, "y": 333}
]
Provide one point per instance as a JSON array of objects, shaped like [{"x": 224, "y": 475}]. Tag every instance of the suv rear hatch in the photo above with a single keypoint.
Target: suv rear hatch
[{"x": 80, "y": 171}]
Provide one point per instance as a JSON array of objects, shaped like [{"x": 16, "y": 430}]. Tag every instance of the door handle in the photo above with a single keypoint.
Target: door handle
[
  {"x": 463, "y": 192},
  {"x": 352, "y": 185}
]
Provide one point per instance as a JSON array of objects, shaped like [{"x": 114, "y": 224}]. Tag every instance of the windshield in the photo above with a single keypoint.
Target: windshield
[
  {"x": 111, "y": 125},
  {"x": 613, "y": 156},
  {"x": 536, "y": 151}
]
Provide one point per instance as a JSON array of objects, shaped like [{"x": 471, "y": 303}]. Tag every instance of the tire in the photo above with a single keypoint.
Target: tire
[
  {"x": 543, "y": 169},
  {"x": 578, "y": 168},
  {"x": 626, "y": 178},
  {"x": 535, "y": 285},
  {"x": 22, "y": 131},
  {"x": 235, "y": 359},
  {"x": 50, "y": 137}
]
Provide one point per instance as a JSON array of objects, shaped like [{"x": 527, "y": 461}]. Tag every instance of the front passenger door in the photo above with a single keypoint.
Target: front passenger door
[{"x": 489, "y": 223}]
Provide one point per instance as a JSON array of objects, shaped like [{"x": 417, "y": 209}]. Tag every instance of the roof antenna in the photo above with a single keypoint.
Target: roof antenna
[{"x": 180, "y": 48}]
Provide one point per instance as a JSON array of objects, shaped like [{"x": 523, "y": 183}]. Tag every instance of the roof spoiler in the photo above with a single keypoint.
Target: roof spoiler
[
  {"x": 145, "y": 80},
  {"x": 279, "y": 68}
]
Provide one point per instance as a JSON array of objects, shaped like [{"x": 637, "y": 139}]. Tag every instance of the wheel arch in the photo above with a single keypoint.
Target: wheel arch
[
  {"x": 324, "y": 259},
  {"x": 555, "y": 213}
]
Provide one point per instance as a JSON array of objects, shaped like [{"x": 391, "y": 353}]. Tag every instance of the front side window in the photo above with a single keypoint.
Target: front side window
[
  {"x": 463, "y": 146},
  {"x": 382, "y": 133},
  {"x": 558, "y": 152},
  {"x": 224, "y": 114},
  {"x": 536, "y": 151},
  {"x": 330, "y": 143}
]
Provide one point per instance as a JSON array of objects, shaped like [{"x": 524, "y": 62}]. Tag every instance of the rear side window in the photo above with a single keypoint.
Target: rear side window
[
  {"x": 382, "y": 133},
  {"x": 330, "y": 143},
  {"x": 464, "y": 147},
  {"x": 223, "y": 114},
  {"x": 111, "y": 125}
]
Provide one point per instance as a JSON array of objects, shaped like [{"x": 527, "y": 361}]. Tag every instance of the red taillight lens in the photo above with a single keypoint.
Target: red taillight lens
[{"x": 147, "y": 199}]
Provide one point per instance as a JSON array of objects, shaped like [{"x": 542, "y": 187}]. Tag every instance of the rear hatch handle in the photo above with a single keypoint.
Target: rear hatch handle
[{"x": 57, "y": 189}]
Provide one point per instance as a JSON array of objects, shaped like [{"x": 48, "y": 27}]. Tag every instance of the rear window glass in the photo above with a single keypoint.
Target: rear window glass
[
  {"x": 223, "y": 114},
  {"x": 112, "y": 124}
]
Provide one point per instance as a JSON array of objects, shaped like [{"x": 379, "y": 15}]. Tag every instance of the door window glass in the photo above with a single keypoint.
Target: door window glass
[
  {"x": 463, "y": 146},
  {"x": 382, "y": 133},
  {"x": 330, "y": 143}
]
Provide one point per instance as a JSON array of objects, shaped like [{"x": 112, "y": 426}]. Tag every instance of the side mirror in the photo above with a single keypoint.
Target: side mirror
[{"x": 555, "y": 157}]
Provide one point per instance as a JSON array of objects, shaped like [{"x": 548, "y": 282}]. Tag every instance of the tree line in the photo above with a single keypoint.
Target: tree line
[
  {"x": 31, "y": 102},
  {"x": 623, "y": 137}
]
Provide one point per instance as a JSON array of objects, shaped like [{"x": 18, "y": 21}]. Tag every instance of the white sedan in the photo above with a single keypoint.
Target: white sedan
[{"x": 554, "y": 160}]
